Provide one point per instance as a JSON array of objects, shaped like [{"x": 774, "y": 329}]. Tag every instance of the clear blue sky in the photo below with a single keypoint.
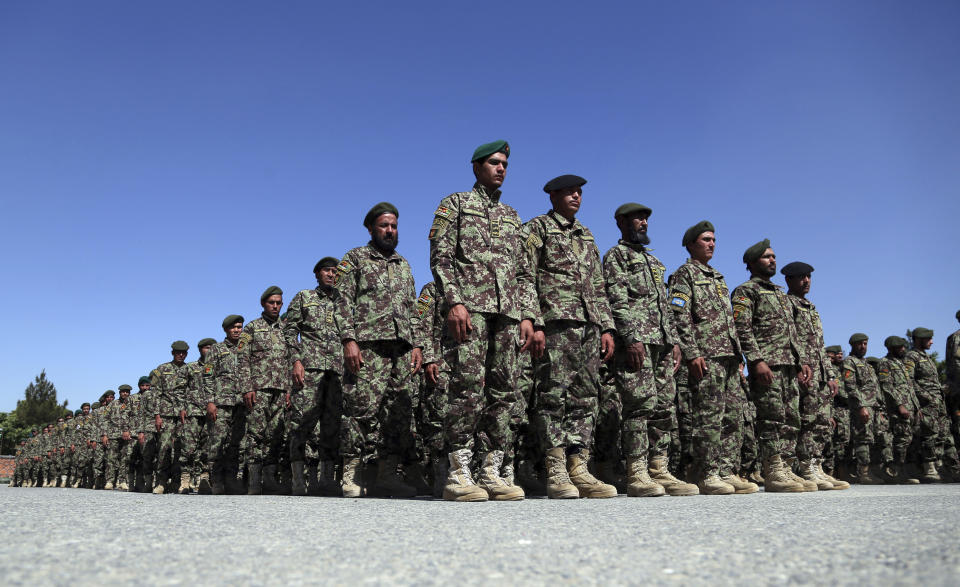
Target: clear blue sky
[{"x": 161, "y": 164}]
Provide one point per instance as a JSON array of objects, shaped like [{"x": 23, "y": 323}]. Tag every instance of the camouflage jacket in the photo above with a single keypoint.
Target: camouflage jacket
[
  {"x": 101, "y": 422},
  {"x": 430, "y": 322},
  {"x": 701, "y": 312},
  {"x": 168, "y": 388},
  {"x": 922, "y": 372},
  {"x": 568, "y": 275},
  {"x": 896, "y": 388},
  {"x": 221, "y": 375},
  {"x": 60, "y": 435},
  {"x": 83, "y": 430},
  {"x": 378, "y": 295},
  {"x": 952, "y": 359},
  {"x": 194, "y": 398},
  {"x": 810, "y": 333},
  {"x": 860, "y": 381},
  {"x": 312, "y": 329},
  {"x": 140, "y": 413},
  {"x": 637, "y": 295},
  {"x": 477, "y": 259},
  {"x": 841, "y": 399},
  {"x": 262, "y": 356},
  {"x": 119, "y": 418},
  {"x": 765, "y": 325}
]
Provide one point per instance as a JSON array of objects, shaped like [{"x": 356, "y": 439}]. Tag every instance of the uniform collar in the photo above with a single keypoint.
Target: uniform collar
[
  {"x": 563, "y": 222},
  {"x": 767, "y": 284},
  {"x": 635, "y": 246},
  {"x": 378, "y": 254},
  {"x": 493, "y": 197}
]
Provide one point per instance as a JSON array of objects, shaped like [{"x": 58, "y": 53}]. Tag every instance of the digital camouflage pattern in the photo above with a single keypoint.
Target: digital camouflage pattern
[
  {"x": 934, "y": 421},
  {"x": 816, "y": 401},
  {"x": 264, "y": 369},
  {"x": 433, "y": 398},
  {"x": 897, "y": 391},
  {"x": 869, "y": 440}
]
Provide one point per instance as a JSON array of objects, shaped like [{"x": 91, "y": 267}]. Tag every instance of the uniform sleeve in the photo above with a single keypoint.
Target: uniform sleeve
[
  {"x": 615, "y": 281},
  {"x": 743, "y": 305},
  {"x": 426, "y": 307},
  {"x": 952, "y": 358},
  {"x": 851, "y": 382},
  {"x": 681, "y": 302},
  {"x": 600, "y": 292},
  {"x": 443, "y": 250},
  {"x": 291, "y": 329},
  {"x": 243, "y": 360},
  {"x": 347, "y": 275}
]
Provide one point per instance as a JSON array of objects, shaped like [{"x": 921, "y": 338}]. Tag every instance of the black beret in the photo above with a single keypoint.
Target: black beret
[
  {"x": 872, "y": 360},
  {"x": 858, "y": 337},
  {"x": 563, "y": 182},
  {"x": 894, "y": 341},
  {"x": 834, "y": 348},
  {"x": 124, "y": 387},
  {"x": 206, "y": 342},
  {"x": 143, "y": 379},
  {"x": 377, "y": 211},
  {"x": 756, "y": 251},
  {"x": 631, "y": 208},
  {"x": 696, "y": 230},
  {"x": 921, "y": 332},
  {"x": 487, "y": 149},
  {"x": 108, "y": 393},
  {"x": 796, "y": 269},
  {"x": 179, "y": 345},
  {"x": 78, "y": 412},
  {"x": 326, "y": 262},
  {"x": 95, "y": 405},
  {"x": 231, "y": 320},
  {"x": 84, "y": 404},
  {"x": 270, "y": 291}
]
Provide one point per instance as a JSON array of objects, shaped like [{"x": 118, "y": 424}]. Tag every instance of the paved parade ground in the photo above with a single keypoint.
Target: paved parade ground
[{"x": 865, "y": 535}]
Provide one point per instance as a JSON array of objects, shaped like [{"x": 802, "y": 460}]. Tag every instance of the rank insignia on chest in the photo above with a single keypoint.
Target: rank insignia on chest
[
  {"x": 330, "y": 317},
  {"x": 658, "y": 274}
]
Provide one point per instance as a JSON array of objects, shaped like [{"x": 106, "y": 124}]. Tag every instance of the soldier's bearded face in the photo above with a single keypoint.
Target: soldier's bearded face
[
  {"x": 923, "y": 343},
  {"x": 492, "y": 171},
  {"x": 179, "y": 357},
  {"x": 567, "y": 202},
  {"x": 702, "y": 248},
  {"x": 859, "y": 349},
  {"x": 143, "y": 387},
  {"x": 272, "y": 305},
  {"x": 633, "y": 228},
  {"x": 798, "y": 284},
  {"x": 384, "y": 232},
  {"x": 327, "y": 276},
  {"x": 233, "y": 333},
  {"x": 124, "y": 394},
  {"x": 766, "y": 265}
]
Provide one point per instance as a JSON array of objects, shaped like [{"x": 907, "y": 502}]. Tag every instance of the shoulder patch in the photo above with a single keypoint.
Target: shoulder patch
[
  {"x": 345, "y": 266},
  {"x": 678, "y": 301},
  {"x": 207, "y": 368},
  {"x": 534, "y": 242},
  {"x": 443, "y": 212},
  {"x": 438, "y": 227},
  {"x": 737, "y": 309},
  {"x": 245, "y": 337},
  {"x": 847, "y": 373}
]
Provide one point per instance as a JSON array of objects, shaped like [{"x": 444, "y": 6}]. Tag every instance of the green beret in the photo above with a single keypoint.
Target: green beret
[
  {"x": 84, "y": 404},
  {"x": 696, "y": 230},
  {"x": 270, "y": 291},
  {"x": 756, "y": 251},
  {"x": 872, "y": 360},
  {"x": 143, "y": 379},
  {"x": 124, "y": 387},
  {"x": 563, "y": 182},
  {"x": 921, "y": 332},
  {"x": 77, "y": 413},
  {"x": 630, "y": 208},
  {"x": 377, "y": 211},
  {"x": 95, "y": 405},
  {"x": 858, "y": 337},
  {"x": 834, "y": 348},
  {"x": 206, "y": 342},
  {"x": 231, "y": 320},
  {"x": 894, "y": 341},
  {"x": 179, "y": 345},
  {"x": 107, "y": 393},
  {"x": 796, "y": 269},
  {"x": 326, "y": 262},
  {"x": 487, "y": 149}
]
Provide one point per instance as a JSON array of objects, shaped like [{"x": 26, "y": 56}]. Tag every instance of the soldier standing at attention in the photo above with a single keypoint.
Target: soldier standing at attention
[
  {"x": 816, "y": 398},
  {"x": 312, "y": 332},
  {"x": 708, "y": 340},
  {"x": 579, "y": 330},
  {"x": 952, "y": 359},
  {"x": 225, "y": 410},
  {"x": 769, "y": 340},
  {"x": 194, "y": 473},
  {"x": 936, "y": 441},
  {"x": 866, "y": 411},
  {"x": 123, "y": 442},
  {"x": 837, "y": 454},
  {"x": 144, "y": 449},
  {"x": 486, "y": 291},
  {"x": 901, "y": 405},
  {"x": 168, "y": 384},
  {"x": 433, "y": 396},
  {"x": 646, "y": 337}
]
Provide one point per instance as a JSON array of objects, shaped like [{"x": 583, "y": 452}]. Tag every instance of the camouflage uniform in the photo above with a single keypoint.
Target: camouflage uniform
[
  {"x": 936, "y": 441},
  {"x": 193, "y": 430},
  {"x": 838, "y": 451},
  {"x": 863, "y": 390},
  {"x": 168, "y": 387},
  {"x": 765, "y": 328},
  {"x": 750, "y": 461},
  {"x": 143, "y": 454},
  {"x": 221, "y": 387},
  {"x": 264, "y": 368},
  {"x": 898, "y": 391},
  {"x": 952, "y": 360},
  {"x": 476, "y": 255},
  {"x": 120, "y": 452},
  {"x": 705, "y": 328},
  {"x": 378, "y": 295},
  {"x": 433, "y": 398},
  {"x": 575, "y": 311},
  {"x": 816, "y": 401},
  {"x": 312, "y": 332},
  {"x": 638, "y": 303}
]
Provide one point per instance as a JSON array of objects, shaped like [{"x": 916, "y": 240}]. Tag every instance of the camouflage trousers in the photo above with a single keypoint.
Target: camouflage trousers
[
  {"x": 816, "y": 405},
  {"x": 146, "y": 455},
  {"x": 778, "y": 412},
  {"x": 191, "y": 444},
  {"x": 119, "y": 458},
  {"x": 750, "y": 450},
  {"x": 431, "y": 412},
  {"x": 482, "y": 396},
  {"x": 264, "y": 437},
  {"x": 838, "y": 451},
  {"x": 871, "y": 439},
  {"x": 606, "y": 437},
  {"x": 639, "y": 392},
  {"x": 568, "y": 384},
  {"x": 167, "y": 457},
  {"x": 717, "y": 405},
  {"x": 313, "y": 422},
  {"x": 902, "y": 432},
  {"x": 224, "y": 436},
  {"x": 662, "y": 425}
]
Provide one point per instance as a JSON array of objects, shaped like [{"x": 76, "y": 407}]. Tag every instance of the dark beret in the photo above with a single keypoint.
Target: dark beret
[
  {"x": 696, "y": 230},
  {"x": 270, "y": 291},
  {"x": 108, "y": 393},
  {"x": 630, "y": 208},
  {"x": 231, "y": 320},
  {"x": 78, "y": 412},
  {"x": 124, "y": 387},
  {"x": 921, "y": 332},
  {"x": 179, "y": 345},
  {"x": 834, "y": 348},
  {"x": 326, "y": 262},
  {"x": 563, "y": 182},
  {"x": 796, "y": 269},
  {"x": 858, "y": 337},
  {"x": 95, "y": 405},
  {"x": 84, "y": 404},
  {"x": 206, "y": 342},
  {"x": 872, "y": 360},
  {"x": 487, "y": 149},
  {"x": 756, "y": 251},
  {"x": 377, "y": 211},
  {"x": 143, "y": 379},
  {"x": 894, "y": 341}
]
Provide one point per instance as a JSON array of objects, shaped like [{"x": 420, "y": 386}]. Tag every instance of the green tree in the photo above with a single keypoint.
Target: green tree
[
  {"x": 13, "y": 432},
  {"x": 39, "y": 405}
]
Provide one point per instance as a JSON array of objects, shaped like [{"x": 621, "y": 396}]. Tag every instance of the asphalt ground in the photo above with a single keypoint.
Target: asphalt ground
[{"x": 886, "y": 535}]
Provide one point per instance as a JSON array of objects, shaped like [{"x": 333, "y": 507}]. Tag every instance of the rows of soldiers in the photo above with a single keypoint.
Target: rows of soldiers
[{"x": 530, "y": 365}]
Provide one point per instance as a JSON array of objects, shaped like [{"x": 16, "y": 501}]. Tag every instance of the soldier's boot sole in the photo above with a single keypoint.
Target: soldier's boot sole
[
  {"x": 467, "y": 493},
  {"x": 563, "y": 491},
  {"x": 351, "y": 491},
  {"x": 782, "y": 487},
  {"x": 596, "y": 491},
  {"x": 716, "y": 488},
  {"x": 646, "y": 490},
  {"x": 681, "y": 489}
]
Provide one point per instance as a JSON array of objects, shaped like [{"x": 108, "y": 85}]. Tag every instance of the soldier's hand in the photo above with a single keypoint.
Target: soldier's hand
[
  {"x": 250, "y": 399},
  {"x": 351, "y": 354},
  {"x": 532, "y": 339},
  {"x": 606, "y": 346},
  {"x": 142, "y": 438},
  {"x": 804, "y": 376},
  {"x": 458, "y": 321},
  {"x": 677, "y": 358},
  {"x": 158, "y": 422},
  {"x": 833, "y": 423},
  {"x": 299, "y": 375},
  {"x": 286, "y": 400},
  {"x": 904, "y": 412},
  {"x": 762, "y": 373},
  {"x": 211, "y": 411},
  {"x": 125, "y": 435},
  {"x": 636, "y": 354},
  {"x": 834, "y": 387},
  {"x": 697, "y": 368},
  {"x": 416, "y": 360},
  {"x": 432, "y": 370},
  {"x": 864, "y": 415},
  {"x": 104, "y": 440},
  {"x": 183, "y": 416}
]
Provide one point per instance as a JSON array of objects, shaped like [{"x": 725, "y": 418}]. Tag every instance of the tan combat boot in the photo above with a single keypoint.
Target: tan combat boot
[
  {"x": 713, "y": 485},
  {"x": 775, "y": 478},
  {"x": 660, "y": 473},
  {"x": 788, "y": 468},
  {"x": 460, "y": 485},
  {"x": 808, "y": 472},
  {"x": 389, "y": 481},
  {"x": 588, "y": 485},
  {"x": 158, "y": 489},
  {"x": 298, "y": 483},
  {"x": 123, "y": 486},
  {"x": 740, "y": 485},
  {"x": 108, "y": 486},
  {"x": 867, "y": 477},
  {"x": 930, "y": 474},
  {"x": 185, "y": 487},
  {"x": 203, "y": 484},
  {"x": 837, "y": 484},
  {"x": 350, "y": 484},
  {"x": 558, "y": 480},
  {"x": 489, "y": 479},
  {"x": 639, "y": 483}
]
